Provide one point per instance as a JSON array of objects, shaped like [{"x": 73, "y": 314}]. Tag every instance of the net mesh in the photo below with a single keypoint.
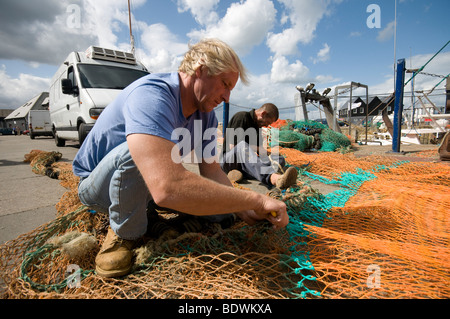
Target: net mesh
[
  {"x": 307, "y": 135},
  {"x": 383, "y": 233}
]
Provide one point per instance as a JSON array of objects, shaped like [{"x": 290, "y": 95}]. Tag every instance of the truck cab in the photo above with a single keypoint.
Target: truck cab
[{"x": 84, "y": 85}]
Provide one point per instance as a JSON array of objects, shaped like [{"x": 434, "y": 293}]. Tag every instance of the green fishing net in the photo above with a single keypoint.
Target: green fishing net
[{"x": 307, "y": 135}]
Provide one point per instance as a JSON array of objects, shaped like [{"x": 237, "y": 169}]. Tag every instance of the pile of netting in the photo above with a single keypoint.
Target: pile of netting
[
  {"x": 384, "y": 232},
  {"x": 308, "y": 135}
]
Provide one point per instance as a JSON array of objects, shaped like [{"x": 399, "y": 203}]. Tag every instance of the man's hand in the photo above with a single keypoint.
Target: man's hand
[
  {"x": 275, "y": 212},
  {"x": 271, "y": 209},
  {"x": 249, "y": 216}
]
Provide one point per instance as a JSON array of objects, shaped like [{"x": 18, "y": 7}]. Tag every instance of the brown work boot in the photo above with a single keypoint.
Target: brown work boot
[
  {"x": 114, "y": 258},
  {"x": 288, "y": 179},
  {"x": 235, "y": 176}
]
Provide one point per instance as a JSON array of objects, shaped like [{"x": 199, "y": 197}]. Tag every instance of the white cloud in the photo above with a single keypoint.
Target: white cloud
[
  {"x": 282, "y": 71},
  {"x": 105, "y": 18},
  {"x": 48, "y": 31},
  {"x": 323, "y": 55},
  {"x": 244, "y": 26},
  {"x": 16, "y": 91},
  {"x": 42, "y": 33},
  {"x": 325, "y": 79},
  {"x": 355, "y": 34},
  {"x": 284, "y": 43},
  {"x": 387, "y": 33},
  {"x": 304, "y": 15},
  {"x": 158, "y": 36},
  {"x": 156, "y": 46},
  {"x": 202, "y": 10},
  {"x": 99, "y": 21},
  {"x": 162, "y": 52},
  {"x": 263, "y": 90}
]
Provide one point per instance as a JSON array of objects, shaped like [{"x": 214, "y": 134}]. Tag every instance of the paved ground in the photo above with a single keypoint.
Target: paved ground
[{"x": 28, "y": 200}]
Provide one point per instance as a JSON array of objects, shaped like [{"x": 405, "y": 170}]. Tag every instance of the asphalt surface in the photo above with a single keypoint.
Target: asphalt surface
[{"x": 27, "y": 200}]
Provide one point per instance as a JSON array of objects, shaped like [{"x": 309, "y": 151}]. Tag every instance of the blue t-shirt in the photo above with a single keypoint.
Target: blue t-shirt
[{"x": 151, "y": 105}]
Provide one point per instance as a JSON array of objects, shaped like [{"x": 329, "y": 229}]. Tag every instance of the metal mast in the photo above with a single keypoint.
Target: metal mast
[{"x": 131, "y": 32}]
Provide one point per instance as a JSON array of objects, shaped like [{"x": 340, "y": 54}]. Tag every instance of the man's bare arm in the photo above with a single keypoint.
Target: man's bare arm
[{"x": 172, "y": 186}]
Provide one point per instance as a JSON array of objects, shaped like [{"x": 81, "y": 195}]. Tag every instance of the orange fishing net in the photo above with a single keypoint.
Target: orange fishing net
[
  {"x": 384, "y": 233},
  {"x": 391, "y": 239},
  {"x": 279, "y": 123}
]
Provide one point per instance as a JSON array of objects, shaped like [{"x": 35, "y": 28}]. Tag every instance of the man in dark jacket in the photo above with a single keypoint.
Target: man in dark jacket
[{"x": 243, "y": 152}]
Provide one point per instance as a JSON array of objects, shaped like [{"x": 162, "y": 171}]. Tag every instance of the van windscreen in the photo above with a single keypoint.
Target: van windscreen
[{"x": 107, "y": 77}]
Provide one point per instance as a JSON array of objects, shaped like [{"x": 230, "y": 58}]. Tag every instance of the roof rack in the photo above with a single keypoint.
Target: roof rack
[{"x": 94, "y": 52}]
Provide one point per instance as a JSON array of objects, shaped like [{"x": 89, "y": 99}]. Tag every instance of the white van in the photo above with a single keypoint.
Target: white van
[
  {"x": 84, "y": 85},
  {"x": 39, "y": 123}
]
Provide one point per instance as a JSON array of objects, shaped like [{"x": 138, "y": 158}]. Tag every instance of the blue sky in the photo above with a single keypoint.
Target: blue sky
[{"x": 283, "y": 43}]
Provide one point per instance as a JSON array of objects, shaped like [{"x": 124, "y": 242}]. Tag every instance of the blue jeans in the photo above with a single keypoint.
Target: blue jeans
[
  {"x": 243, "y": 158},
  {"x": 116, "y": 187}
]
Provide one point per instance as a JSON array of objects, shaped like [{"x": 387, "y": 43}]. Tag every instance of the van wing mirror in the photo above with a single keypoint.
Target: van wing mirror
[{"x": 67, "y": 87}]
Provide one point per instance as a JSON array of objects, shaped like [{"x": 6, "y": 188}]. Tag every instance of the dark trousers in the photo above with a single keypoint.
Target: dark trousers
[{"x": 243, "y": 158}]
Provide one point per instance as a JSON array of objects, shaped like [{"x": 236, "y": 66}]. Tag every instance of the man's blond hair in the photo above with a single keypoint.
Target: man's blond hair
[{"x": 214, "y": 54}]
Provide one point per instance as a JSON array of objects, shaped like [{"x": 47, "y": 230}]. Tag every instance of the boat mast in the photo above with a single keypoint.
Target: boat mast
[{"x": 131, "y": 32}]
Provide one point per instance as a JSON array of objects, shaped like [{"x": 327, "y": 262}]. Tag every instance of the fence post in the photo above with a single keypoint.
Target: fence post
[
  {"x": 398, "y": 110},
  {"x": 226, "y": 114}
]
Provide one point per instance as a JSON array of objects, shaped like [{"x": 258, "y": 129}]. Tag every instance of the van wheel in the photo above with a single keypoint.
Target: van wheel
[
  {"x": 82, "y": 133},
  {"x": 59, "y": 141}
]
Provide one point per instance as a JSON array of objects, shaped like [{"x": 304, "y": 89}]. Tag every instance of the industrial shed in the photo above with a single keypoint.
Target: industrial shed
[
  {"x": 19, "y": 117},
  {"x": 358, "y": 108}
]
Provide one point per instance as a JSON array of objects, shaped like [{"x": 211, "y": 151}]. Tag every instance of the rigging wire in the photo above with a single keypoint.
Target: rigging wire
[{"x": 407, "y": 94}]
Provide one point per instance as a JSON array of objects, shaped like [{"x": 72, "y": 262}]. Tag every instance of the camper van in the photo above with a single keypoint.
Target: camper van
[{"x": 84, "y": 85}]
